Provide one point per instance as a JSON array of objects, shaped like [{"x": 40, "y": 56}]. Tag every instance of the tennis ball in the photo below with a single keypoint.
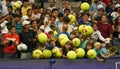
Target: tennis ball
[
  {"x": 61, "y": 36},
  {"x": 58, "y": 54},
  {"x": 16, "y": 5},
  {"x": 71, "y": 55},
  {"x": 76, "y": 42},
  {"x": 55, "y": 50},
  {"x": 42, "y": 38},
  {"x": 91, "y": 54},
  {"x": 22, "y": 47},
  {"x": 80, "y": 52},
  {"x": 88, "y": 30},
  {"x": 55, "y": 33},
  {"x": 47, "y": 54},
  {"x": 37, "y": 53},
  {"x": 72, "y": 19},
  {"x": 63, "y": 41},
  {"x": 81, "y": 27},
  {"x": 85, "y": 6}
]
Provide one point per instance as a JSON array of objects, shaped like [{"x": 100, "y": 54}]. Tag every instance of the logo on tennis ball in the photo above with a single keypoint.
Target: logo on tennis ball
[
  {"x": 37, "y": 53},
  {"x": 80, "y": 52},
  {"x": 42, "y": 38},
  {"x": 76, "y": 42},
  {"x": 71, "y": 55}
]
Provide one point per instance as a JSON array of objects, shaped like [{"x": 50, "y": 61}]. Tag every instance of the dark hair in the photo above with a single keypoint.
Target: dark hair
[
  {"x": 60, "y": 14},
  {"x": 16, "y": 15},
  {"x": 25, "y": 1},
  {"x": 66, "y": 19},
  {"x": 86, "y": 13},
  {"x": 10, "y": 7},
  {"x": 73, "y": 32},
  {"x": 10, "y": 27},
  {"x": 116, "y": 22},
  {"x": 53, "y": 17},
  {"x": 66, "y": 9},
  {"x": 55, "y": 9},
  {"x": 94, "y": 24}
]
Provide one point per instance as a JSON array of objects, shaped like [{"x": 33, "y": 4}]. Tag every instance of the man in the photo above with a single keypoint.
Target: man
[
  {"x": 52, "y": 5},
  {"x": 104, "y": 27},
  {"x": 11, "y": 40},
  {"x": 27, "y": 37}
]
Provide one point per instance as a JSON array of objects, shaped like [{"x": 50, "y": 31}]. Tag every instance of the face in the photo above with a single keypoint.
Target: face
[
  {"x": 97, "y": 47},
  {"x": 119, "y": 20},
  {"x": 52, "y": 4},
  {"x": 72, "y": 36},
  {"x": 66, "y": 13},
  {"x": 101, "y": 11},
  {"x": 30, "y": 12},
  {"x": 27, "y": 26},
  {"x": 25, "y": 3},
  {"x": 67, "y": 46},
  {"x": 34, "y": 24},
  {"x": 13, "y": 30},
  {"x": 95, "y": 27},
  {"x": 55, "y": 13},
  {"x": 104, "y": 19},
  {"x": 89, "y": 47},
  {"x": 85, "y": 18},
  {"x": 52, "y": 20}
]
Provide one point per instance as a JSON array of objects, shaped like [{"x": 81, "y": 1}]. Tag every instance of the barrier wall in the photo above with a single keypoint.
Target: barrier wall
[{"x": 111, "y": 63}]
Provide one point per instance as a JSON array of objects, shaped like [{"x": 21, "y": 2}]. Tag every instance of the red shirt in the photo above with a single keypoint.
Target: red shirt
[
  {"x": 12, "y": 48},
  {"x": 105, "y": 29}
]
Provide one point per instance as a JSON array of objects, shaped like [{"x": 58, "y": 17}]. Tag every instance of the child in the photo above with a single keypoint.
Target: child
[
  {"x": 64, "y": 50},
  {"x": 100, "y": 54}
]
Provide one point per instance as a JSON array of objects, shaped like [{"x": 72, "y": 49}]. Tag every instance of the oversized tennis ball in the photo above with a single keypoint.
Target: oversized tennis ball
[
  {"x": 22, "y": 47},
  {"x": 71, "y": 55},
  {"x": 85, "y": 6},
  {"x": 91, "y": 54},
  {"x": 37, "y": 53},
  {"x": 88, "y": 30},
  {"x": 81, "y": 28},
  {"x": 61, "y": 36},
  {"x": 76, "y": 42},
  {"x": 42, "y": 38},
  {"x": 16, "y": 5},
  {"x": 58, "y": 54},
  {"x": 55, "y": 50},
  {"x": 47, "y": 54},
  {"x": 72, "y": 19},
  {"x": 80, "y": 52},
  {"x": 63, "y": 41}
]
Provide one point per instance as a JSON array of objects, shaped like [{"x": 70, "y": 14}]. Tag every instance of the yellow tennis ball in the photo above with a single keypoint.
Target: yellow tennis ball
[
  {"x": 61, "y": 36},
  {"x": 63, "y": 41},
  {"x": 91, "y": 54},
  {"x": 76, "y": 42},
  {"x": 37, "y": 53},
  {"x": 85, "y": 6},
  {"x": 88, "y": 30},
  {"x": 71, "y": 55},
  {"x": 16, "y": 5},
  {"x": 72, "y": 18},
  {"x": 81, "y": 28},
  {"x": 80, "y": 52},
  {"x": 58, "y": 54},
  {"x": 47, "y": 54},
  {"x": 55, "y": 50},
  {"x": 42, "y": 38}
]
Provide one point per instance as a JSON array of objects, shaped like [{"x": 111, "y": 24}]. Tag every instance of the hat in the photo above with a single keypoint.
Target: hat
[
  {"x": 117, "y": 5},
  {"x": 25, "y": 22},
  {"x": 25, "y": 18},
  {"x": 97, "y": 44},
  {"x": 100, "y": 6}
]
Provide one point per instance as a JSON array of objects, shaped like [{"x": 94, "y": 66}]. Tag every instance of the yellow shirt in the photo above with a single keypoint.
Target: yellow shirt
[{"x": 24, "y": 10}]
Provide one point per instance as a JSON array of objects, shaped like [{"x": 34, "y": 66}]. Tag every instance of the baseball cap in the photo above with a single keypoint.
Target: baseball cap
[
  {"x": 117, "y": 5},
  {"x": 25, "y": 22},
  {"x": 100, "y": 6},
  {"x": 25, "y": 18}
]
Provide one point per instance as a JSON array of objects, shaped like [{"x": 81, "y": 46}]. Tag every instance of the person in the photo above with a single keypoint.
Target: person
[
  {"x": 27, "y": 37},
  {"x": 100, "y": 54},
  {"x": 25, "y": 7},
  {"x": 103, "y": 26},
  {"x": 52, "y": 5},
  {"x": 11, "y": 40},
  {"x": 65, "y": 49},
  {"x": 96, "y": 34}
]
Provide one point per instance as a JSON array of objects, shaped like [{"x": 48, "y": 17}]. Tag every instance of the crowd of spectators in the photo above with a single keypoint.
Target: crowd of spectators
[{"x": 23, "y": 24}]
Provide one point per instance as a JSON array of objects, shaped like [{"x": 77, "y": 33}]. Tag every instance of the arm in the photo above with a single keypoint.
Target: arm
[
  {"x": 100, "y": 36},
  {"x": 92, "y": 17}
]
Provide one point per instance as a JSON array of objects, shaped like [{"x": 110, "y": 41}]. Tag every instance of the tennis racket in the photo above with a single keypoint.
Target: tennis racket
[{"x": 111, "y": 51}]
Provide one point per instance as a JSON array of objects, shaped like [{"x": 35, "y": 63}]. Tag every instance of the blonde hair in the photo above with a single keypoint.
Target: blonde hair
[{"x": 97, "y": 44}]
